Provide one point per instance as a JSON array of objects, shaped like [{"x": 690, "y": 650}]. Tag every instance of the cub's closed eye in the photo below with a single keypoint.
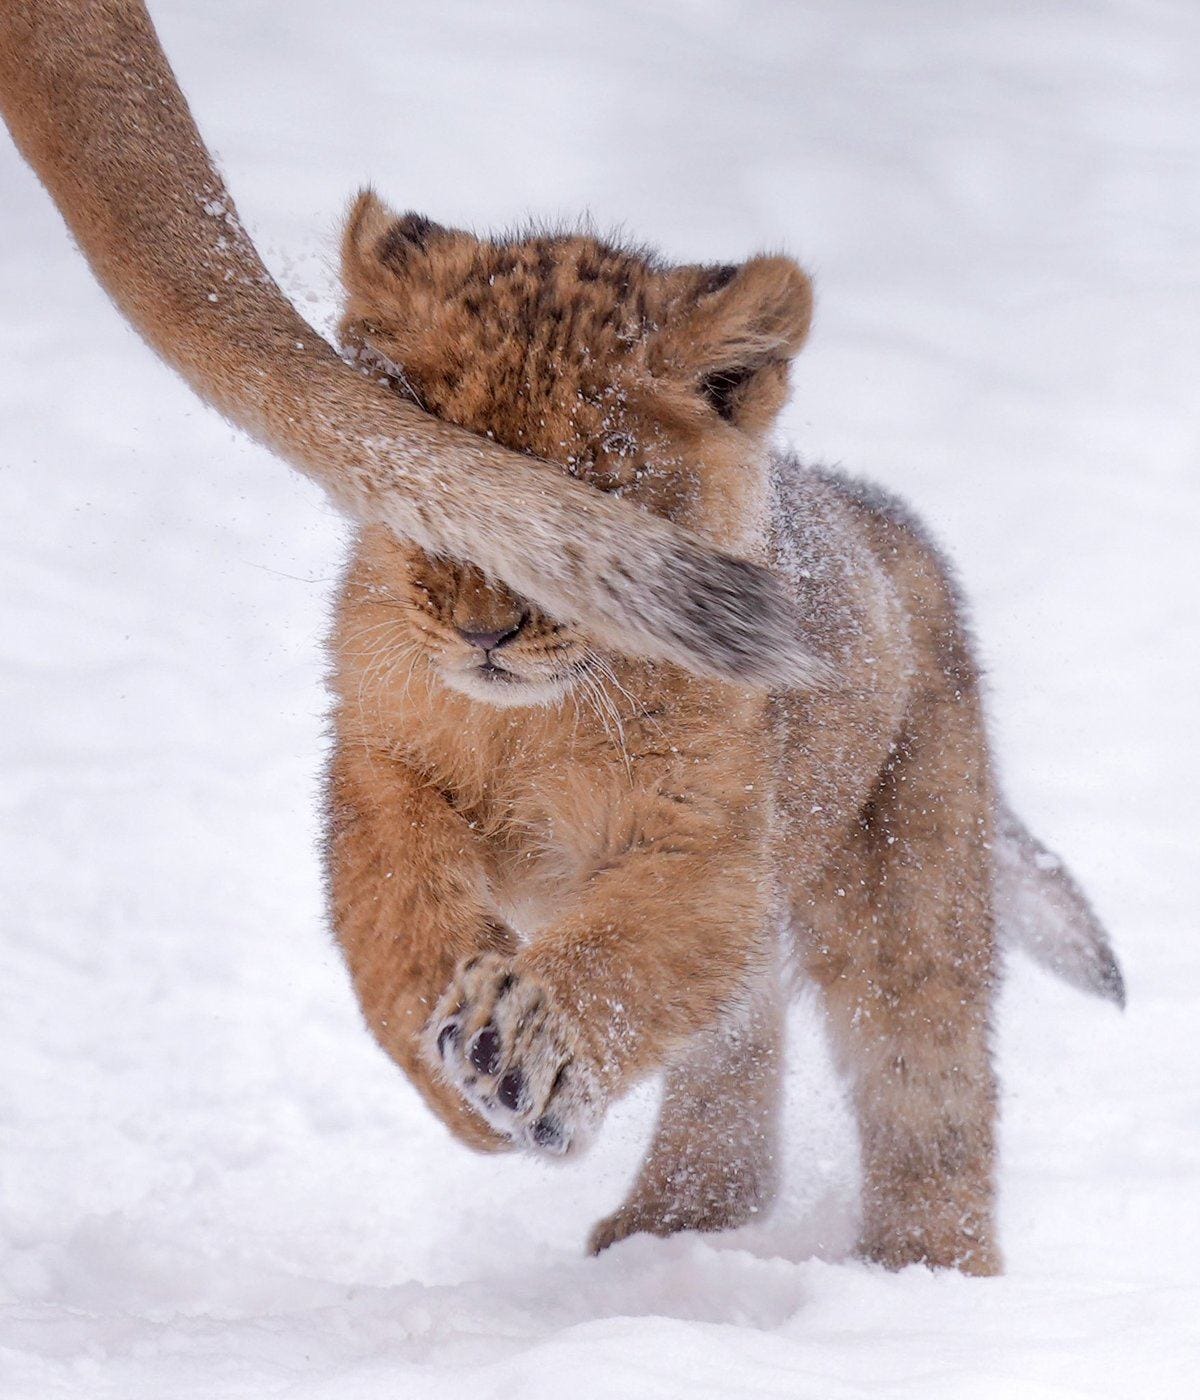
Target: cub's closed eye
[{"x": 720, "y": 389}]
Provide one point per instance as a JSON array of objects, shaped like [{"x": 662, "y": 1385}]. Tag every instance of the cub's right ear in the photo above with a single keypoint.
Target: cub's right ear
[{"x": 378, "y": 242}]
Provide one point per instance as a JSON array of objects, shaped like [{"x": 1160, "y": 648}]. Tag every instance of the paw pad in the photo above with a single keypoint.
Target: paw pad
[
  {"x": 548, "y": 1134},
  {"x": 485, "y": 1051},
  {"x": 499, "y": 1039},
  {"x": 509, "y": 1092}
]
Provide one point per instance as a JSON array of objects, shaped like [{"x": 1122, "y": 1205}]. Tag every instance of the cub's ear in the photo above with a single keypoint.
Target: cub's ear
[
  {"x": 733, "y": 333},
  {"x": 378, "y": 242}
]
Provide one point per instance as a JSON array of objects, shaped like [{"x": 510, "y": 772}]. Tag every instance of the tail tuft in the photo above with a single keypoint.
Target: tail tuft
[{"x": 1041, "y": 909}]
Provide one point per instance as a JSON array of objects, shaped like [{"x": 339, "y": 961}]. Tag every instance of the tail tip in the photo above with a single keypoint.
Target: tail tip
[{"x": 1111, "y": 982}]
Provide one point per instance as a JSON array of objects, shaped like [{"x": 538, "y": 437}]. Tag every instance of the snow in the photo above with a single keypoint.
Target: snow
[{"x": 211, "y": 1183}]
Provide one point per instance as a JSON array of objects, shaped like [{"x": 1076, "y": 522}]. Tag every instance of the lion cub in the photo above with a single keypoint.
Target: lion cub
[{"x": 555, "y": 871}]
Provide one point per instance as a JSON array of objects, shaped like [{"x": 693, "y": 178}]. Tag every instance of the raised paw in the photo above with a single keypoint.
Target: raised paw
[{"x": 515, "y": 1057}]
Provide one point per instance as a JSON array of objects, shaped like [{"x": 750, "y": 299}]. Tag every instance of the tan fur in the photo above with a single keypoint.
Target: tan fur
[
  {"x": 93, "y": 105},
  {"x": 551, "y": 885},
  {"x": 548, "y": 887}
]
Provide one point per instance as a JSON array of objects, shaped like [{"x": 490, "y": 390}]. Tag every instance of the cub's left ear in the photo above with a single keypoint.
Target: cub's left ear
[{"x": 734, "y": 332}]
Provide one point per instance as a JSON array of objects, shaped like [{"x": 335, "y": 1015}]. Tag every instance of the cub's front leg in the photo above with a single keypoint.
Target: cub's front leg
[
  {"x": 669, "y": 928},
  {"x": 409, "y": 891}
]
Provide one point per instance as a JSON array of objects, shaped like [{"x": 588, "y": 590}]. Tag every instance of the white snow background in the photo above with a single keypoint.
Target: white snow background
[{"x": 211, "y": 1183}]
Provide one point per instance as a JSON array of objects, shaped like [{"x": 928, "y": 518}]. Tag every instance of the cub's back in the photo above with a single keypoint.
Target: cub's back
[{"x": 882, "y": 610}]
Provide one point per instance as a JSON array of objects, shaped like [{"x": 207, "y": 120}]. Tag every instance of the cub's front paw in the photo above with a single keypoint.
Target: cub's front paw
[{"x": 517, "y": 1058}]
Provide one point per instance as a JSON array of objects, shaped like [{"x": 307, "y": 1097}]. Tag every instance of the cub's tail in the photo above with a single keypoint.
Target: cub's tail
[{"x": 1041, "y": 909}]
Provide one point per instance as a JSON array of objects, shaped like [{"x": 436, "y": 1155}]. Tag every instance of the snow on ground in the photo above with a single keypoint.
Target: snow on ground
[{"x": 211, "y": 1184}]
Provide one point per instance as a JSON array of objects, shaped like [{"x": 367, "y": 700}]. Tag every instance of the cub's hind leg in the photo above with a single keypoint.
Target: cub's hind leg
[
  {"x": 902, "y": 946},
  {"x": 714, "y": 1159}
]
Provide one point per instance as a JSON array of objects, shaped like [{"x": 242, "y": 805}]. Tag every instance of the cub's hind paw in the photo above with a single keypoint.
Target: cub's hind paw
[
  {"x": 685, "y": 1209},
  {"x": 499, "y": 1038}
]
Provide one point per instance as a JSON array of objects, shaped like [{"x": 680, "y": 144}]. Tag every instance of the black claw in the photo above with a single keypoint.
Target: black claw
[
  {"x": 446, "y": 1036},
  {"x": 485, "y": 1050},
  {"x": 548, "y": 1133},
  {"x": 509, "y": 1092}
]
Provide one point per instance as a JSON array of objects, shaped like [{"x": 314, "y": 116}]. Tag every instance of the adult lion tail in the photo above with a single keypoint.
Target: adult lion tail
[
  {"x": 1041, "y": 909},
  {"x": 94, "y": 107}
]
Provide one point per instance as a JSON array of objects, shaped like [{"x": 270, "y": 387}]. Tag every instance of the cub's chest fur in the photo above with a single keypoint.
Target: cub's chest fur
[{"x": 552, "y": 789}]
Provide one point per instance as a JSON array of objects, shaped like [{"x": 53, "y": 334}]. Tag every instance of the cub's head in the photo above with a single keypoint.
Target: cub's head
[{"x": 654, "y": 383}]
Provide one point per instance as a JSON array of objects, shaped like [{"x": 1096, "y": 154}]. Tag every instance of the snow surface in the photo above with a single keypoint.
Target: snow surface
[{"x": 211, "y": 1183}]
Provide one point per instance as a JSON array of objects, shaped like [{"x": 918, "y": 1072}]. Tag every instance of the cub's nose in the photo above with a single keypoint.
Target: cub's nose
[{"x": 490, "y": 640}]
